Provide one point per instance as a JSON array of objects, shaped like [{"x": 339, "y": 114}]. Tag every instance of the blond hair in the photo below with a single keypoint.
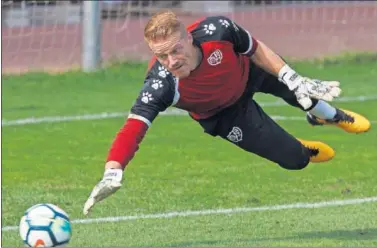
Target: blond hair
[{"x": 161, "y": 25}]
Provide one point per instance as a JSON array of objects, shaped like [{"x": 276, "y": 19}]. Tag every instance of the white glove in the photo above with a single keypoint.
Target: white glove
[
  {"x": 110, "y": 183},
  {"x": 306, "y": 88}
]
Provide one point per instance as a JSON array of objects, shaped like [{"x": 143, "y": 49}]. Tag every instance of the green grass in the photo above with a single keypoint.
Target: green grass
[{"x": 179, "y": 168}]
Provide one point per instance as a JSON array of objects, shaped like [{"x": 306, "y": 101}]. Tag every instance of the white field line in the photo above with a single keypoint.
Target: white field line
[
  {"x": 106, "y": 115},
  {"x": 169, "y": 215},
  {"x": 101, "y": 116}
]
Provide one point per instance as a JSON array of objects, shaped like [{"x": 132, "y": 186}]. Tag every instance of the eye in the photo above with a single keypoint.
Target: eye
[{"x": 162, "y": 56}]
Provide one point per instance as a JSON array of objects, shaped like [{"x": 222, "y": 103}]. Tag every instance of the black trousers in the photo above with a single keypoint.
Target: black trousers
[{"x": 246, "y": 125}]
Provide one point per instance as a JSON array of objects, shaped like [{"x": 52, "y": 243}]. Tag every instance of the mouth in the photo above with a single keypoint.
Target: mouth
[{"x": 177, "y": 68}]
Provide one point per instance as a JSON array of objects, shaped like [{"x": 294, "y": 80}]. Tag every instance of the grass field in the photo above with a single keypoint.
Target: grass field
[{"x": 179, "y": 168}]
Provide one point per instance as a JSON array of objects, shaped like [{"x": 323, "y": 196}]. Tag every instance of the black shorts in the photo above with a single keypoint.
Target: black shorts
[{"x": 246, "y": 125}]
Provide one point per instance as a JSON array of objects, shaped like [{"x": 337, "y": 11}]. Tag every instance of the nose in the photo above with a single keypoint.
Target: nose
[{"x": 172, "y": 61}]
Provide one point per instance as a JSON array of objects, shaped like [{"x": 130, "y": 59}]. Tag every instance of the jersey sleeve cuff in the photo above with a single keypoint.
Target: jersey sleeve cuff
[
  {"x": 140, "y": 118},
  {"x": 253, "y": 44}
]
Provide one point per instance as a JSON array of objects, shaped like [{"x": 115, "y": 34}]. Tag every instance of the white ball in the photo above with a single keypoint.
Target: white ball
[{"x": 45, "y": 225}]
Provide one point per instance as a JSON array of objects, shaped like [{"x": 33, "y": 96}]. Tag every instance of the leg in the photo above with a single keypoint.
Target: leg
[{"x": 250, "y": 128}]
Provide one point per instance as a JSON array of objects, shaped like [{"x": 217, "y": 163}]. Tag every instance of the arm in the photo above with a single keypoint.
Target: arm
[
  {"x": 122, "y": 150},
  {"x": 156, "y": 96},
  {"x": 304, "y": 88},
  {"x": 126, "y": 144},
  {"x": 268, "y": 60}
]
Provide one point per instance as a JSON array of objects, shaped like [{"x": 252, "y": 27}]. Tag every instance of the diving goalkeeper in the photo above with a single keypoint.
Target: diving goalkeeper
[{"x": 212, "y": 69}]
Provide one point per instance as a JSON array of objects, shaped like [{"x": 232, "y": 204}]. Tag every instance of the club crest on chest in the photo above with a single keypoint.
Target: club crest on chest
[{"x": 215, "y": 57}]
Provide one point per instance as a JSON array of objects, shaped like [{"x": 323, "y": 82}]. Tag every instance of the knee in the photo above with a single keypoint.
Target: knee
[
  {"x": 296, "y": 160},
  {"x": 298, "y": 164}
]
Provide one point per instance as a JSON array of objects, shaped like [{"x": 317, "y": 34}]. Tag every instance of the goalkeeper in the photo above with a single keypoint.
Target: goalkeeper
[{"x": 212, "y": 69}]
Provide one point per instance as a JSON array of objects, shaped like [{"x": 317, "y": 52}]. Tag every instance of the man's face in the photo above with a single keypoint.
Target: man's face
[{"x": 175, "y": 53}]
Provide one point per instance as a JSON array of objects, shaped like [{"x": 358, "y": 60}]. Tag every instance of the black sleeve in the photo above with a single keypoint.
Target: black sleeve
[
  {"x": 157, "y": 94},
  {"x": 243, "y": 41}
]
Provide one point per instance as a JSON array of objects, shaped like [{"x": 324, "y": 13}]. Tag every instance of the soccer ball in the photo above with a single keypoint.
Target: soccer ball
[{"x": 45, "y": 225}]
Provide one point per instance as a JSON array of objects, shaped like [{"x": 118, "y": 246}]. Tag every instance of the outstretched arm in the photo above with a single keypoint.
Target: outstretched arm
[
  {"x": 156, "y": 95},
  {"x": 122, "y": 150}
]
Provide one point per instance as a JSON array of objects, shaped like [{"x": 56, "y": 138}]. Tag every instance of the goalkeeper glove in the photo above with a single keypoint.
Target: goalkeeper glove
[
  {"x": 306, "y": 88},
  {"x": 110, "y": 183}
]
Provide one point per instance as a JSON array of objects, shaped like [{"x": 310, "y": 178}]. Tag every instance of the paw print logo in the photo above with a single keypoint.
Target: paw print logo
[
  {"x": 210, "y": 29},
  {"x": 157, "y": 84},
  {"x": 163, "y": 72},
  {"x": 146, "y": 97},
  {"x": 224, "y": 23},
  {"x": 235, "y": 26}
]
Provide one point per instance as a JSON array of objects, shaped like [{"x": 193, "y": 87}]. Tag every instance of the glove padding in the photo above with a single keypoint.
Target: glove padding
[
  {"x": 317, "y": 89},
  {"x": 110, "y": 183},
  {"x": 306, "y": 88}
]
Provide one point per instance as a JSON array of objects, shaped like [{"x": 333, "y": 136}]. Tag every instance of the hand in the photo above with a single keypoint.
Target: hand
[
  {"x": 110, "y": 183},
  {"x": 306, "y": 88},
  {"x": 317, "y": 89}
]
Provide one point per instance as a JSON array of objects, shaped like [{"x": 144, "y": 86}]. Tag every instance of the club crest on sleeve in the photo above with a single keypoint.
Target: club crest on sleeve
[
  {"x": 235, "y": 135},
  {"x": 215, "y": 57}
]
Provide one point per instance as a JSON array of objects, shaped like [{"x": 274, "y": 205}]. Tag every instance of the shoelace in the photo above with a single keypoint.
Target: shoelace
[
  {"x": 346, "y": 117},
  {"x": 313, "y": 151}
]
